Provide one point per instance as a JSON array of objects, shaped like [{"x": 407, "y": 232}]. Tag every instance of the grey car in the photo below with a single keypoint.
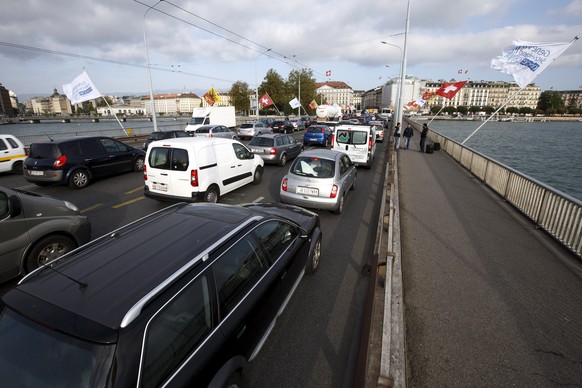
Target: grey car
[
  {"x": 214, "y": 131},
  {"x": 35, "y": 230},
  {"x": 249, "y": 130},
  {"x": 276, "y": 148},
  {"x": 319, "y": 179}
]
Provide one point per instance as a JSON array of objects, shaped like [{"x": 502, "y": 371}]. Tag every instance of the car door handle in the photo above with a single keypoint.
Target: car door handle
[
  {"x": 241, "y": 331},
  {"x": 232, "y": 166},
  {"x": 164, "y": 174}
]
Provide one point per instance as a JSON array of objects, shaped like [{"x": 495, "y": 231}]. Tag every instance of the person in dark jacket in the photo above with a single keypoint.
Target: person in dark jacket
[
  {"x": 396, "y": 136},
  {"x": 423, "y": 136},
  {"x": 408, "y": 133}
]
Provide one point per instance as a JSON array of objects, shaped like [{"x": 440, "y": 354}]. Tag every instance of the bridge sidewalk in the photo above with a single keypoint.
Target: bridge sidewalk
[{"x": 489, "y": 300}]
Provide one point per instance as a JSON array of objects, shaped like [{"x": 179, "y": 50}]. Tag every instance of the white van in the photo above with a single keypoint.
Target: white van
[
  {"x": 12, "y": 154},
  {"x": 358, "y": 141},
  {"x": 198, "y": 168}
]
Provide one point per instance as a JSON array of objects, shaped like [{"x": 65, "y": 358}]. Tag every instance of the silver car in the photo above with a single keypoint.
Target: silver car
[
  {"x": 36, "y": 230},
  {"x": 276, "y": 148},
  {"x": 320, "y": 179},
  {"x": 249, "y": 130},
  {"x": 214, "y": 131}
]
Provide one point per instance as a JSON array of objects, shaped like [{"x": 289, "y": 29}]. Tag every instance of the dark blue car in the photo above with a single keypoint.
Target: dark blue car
[{"x": 317, "y": 134}]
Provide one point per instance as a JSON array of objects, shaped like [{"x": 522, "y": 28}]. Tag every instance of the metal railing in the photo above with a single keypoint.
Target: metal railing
[{"x": 557, "y": 213}]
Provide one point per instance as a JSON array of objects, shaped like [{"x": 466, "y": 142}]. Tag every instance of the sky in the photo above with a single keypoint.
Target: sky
[{"x": 195, "y": 45}]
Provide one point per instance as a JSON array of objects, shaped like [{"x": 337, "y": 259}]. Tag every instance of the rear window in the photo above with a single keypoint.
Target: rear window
[
  {"x": 315, "y": 129},
  {"x": 313, "y": 167},
  {"x": 246, "y": 125},
  {"x": 44, "y": 151},
  {"x": 351, "y": 137},
  {"x": 261, "y": 142},
  {"x": 203, "y": 130},
  {"x": 158, "y": 136},
  {"x": 32, "y": 355},
  {"x": 175, "y": 159}
]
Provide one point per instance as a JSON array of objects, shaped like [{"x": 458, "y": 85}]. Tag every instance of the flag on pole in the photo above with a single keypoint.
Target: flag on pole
[
  {"x": 211, "y": 97},
  {"x": 313, "y": 105},
  {"x": 328, "y": 73},
  {"x": 81, "y": 89},
  {"x": 294, "y": 103},
  {"x": 525, "y": 60},
  {"x": 265, "y": 100},
  {"x": 449, "y": 89}
]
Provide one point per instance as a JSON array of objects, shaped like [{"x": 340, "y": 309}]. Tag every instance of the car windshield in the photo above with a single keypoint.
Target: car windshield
[
  {"x": 158, "y": 136},
  {"x": 246, "y": 125},
  {"x": 32, "y": 355},
  {"x": 351, "y": 137},
  {"x": 261, "y": 142},
  {"x": 44, "y": 151},
  {"x": 203, "y": 130},
  {"x": 312, "y": 166}
]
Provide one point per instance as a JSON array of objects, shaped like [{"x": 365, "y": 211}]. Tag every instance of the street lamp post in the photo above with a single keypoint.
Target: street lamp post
[
  {"x": 257, "y": 85},
  {"x": 397, "y": 112},
  {"x": 403, "y": 67},
  {"x": 145, "y": 42}
]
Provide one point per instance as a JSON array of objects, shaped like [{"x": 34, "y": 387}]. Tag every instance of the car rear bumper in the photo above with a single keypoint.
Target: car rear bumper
[
  {"x": 309, "y": 201},
  {"x": 195, "y": 197},
  {"x": 47, "y": 175}
]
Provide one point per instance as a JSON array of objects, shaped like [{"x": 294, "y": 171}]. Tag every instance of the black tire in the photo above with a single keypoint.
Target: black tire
[
  {"x": 46, "y": 250},
  {"x": 340, "y": 206},
  {"x": 18, "y": 167},
  {"x": 258, "y": 175},
  {"x": 79, "y": 179},
  {"x": 212, "y": 195},
  {"x": 138, "y": 164},
  {"x": 314, "y": 258},
  {"x": 283, "y": 160}
]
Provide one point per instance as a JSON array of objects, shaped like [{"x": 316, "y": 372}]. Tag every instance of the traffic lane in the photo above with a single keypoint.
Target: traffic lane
[{"x": 315, "y": 342}]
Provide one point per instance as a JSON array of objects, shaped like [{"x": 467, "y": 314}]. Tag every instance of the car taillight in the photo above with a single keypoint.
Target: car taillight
[
  {"x": 322, "y": 130},
  {"x": 284, "y": 185},
  {"x": 194, "y": 178},
  {"x": 370, "y": 144},
  {"x": 273, "y": 151},
  {"x": 60, "y": 161},
  {"x": 332, "y": 138},
  {"x": 333, "y": 193},
  {"x": 145, "y": 173}
]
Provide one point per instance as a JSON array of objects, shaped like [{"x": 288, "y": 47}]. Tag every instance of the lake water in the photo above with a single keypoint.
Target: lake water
[{"x": 550, "y": 152}]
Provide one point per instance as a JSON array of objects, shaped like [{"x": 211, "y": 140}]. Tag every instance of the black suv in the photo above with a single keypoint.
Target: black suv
[
  {"x": 282, "y": 126},
  {"x": 77, "y": 161},
  {"x": 183, "y": 297},
  {"x": 161, "y": 135}
]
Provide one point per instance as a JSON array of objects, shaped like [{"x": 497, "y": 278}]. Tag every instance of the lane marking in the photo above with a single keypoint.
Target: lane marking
[
  {"x": 91, "y": 207},
  {"x": 127, "y": 202},
  {"x": 258, "y": 199},
  {"x": 134, "y": 190}
]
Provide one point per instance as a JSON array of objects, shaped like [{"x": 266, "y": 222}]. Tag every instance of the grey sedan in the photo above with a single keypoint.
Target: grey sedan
[
  {"x": 276, "y": 148},
  {"x": 320, "y": 179}
]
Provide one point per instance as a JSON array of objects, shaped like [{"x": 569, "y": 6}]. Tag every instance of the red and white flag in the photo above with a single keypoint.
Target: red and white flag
[
  {"x": 449, "y": 89},
  {"x": 328, "y": 73},
  {"x": 265, "y": 100}
]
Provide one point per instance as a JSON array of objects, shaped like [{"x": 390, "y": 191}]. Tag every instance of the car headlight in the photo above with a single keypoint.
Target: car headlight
[{"x": 71, "y": 206}]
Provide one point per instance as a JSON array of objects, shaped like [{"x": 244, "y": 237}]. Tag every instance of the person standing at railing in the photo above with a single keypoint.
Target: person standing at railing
[
  {"x": 408, "y": 133},
  {"x": 396, "y": 136},
  {"x": 423, "y": 136}
]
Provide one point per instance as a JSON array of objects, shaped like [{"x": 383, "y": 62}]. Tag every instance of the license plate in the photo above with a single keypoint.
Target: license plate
[
  {"x": 36, "y": 173},
  {"x": 257, "y": 151},
  {"x": 159, "y": 187},
  {"x": 307, "y": 190},
  {"x": 312, "y": 139}
]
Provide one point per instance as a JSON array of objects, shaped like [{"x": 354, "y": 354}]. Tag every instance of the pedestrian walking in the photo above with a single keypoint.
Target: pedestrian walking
[
  {"x": 396, "y": 136},
  {"x": 423, "y": 136},
  {"x": 408, "y": 133}
]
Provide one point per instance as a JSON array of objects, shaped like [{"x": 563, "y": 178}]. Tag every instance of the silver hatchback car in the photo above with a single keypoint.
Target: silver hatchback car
[
  {"x": 249, "y": 130},
  {"x": 320, "y": 179},
  {"x": 276, "y": 148}
]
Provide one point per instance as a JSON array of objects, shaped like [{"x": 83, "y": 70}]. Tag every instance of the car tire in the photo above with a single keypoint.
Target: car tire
[
  {"x": 314, "y": 258},
  {"x": 18, "y": 168},
  {"x": 46, "y": 250},
  {"x": 258, "y": 175},
  {"x": 283, "y": 160},
  {"x": 138, "y": 164},
  {"x": 340, "y": 206},
  {"x": 79, "y": 179},
  {"x": 212, "y": 194}
]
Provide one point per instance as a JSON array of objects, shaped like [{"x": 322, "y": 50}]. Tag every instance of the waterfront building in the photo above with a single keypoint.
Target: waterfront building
[
  {"x": 172, "y": 104},
  {"x": 389, "y": 92},
  {"x": 334, "y": 92},
  {"x": 54, "y": 105},
  {"x": 6, "y": 106},
  {"x": 572, "y": 98}
]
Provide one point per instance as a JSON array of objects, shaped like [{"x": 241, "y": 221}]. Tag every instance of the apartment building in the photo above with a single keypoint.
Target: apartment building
[{"x": 335, "y": 92}]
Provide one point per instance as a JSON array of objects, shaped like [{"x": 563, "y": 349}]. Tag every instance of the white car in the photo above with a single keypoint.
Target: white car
[{"x": 12, "y": 154}]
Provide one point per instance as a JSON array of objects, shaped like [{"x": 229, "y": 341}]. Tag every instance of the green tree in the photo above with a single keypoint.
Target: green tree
[
  {"x": 512, "y": 109},
  {"x": 550, "y": 102},
  {"x": 301, "y": 78},
  {"x": 275, "y": 85},
  {"x": 435, "y": 108},
  {"x": 449, "y": 109},
  {"x": 239, "y": 96},
  {"x": 462, "y": 110}
]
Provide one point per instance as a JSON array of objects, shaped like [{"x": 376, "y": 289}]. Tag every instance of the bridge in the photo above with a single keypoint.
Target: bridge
[{"x": 479, "y": 276}]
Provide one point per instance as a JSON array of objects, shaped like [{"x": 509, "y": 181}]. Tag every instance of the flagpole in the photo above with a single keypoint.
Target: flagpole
[
  {"x": 492, "y": 115},
  {"x": 437, "y": 113},
  {"x": 106, "y": 102},
  {"x": 147, "y": 57}
]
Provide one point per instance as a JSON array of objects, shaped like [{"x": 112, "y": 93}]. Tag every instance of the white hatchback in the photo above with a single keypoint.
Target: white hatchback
[{"x": 12, "y": 154}]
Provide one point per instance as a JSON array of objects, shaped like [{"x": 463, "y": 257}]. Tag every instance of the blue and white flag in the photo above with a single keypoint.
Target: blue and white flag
[
  {"x": 81, "y": 89},
  {"x": 525, "y": 60},
  {"x": 294, "y": 103}
]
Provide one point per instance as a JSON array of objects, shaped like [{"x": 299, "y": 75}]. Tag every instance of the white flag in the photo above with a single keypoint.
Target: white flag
[
  {"x": 295, "y": 103},
  {"x": 525, "y": 60},
  {"x": 81, "y": 89}
]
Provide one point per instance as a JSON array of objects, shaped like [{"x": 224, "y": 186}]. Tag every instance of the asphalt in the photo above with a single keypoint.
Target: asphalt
[{"x": 489, "y": 299}]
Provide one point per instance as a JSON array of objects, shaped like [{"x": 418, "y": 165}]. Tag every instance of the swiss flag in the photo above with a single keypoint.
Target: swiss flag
[
  {"x": 449, "y": 89},
  {"x": 265, "y": 100},
  {"x": 328, "y": 73}
]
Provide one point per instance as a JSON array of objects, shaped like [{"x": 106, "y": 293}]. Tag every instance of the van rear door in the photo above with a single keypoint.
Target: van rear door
[
  {"x": 169, "y": 171},
  {"x": 354, "y": 141}
]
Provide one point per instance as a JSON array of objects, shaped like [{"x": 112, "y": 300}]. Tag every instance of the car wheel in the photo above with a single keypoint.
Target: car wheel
[
  {"x": 212, "y": 195},
  {"x": 17, "y": 168},
  {"x": 138, "y": 164},
  {"x": 48, "y": 249},
  {"x": 283, "y": 160},
  {"x": 258, "y": 176},
  {"x": 340, "y": 206},
  {"x": 353, "y": 187},
  {"x": 79, "y": 179},
  {"x": 313, "y": 262}
]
